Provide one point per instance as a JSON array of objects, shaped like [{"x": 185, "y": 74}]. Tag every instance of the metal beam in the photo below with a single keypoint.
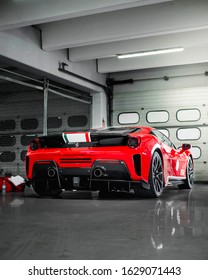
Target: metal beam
[
  {"x": 69, "y": 97},
  {"x": 20, "y": 82},
  {"x": 42, "y": 88}
]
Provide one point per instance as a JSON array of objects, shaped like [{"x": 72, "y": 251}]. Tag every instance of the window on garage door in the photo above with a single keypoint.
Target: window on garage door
[
  {"x": 128, "y": 118},
  {"x": 7, "y": 140},
  {"x": 196, "y": 152},
  {"x": 188, "y": 115},
  {"x": 157, "y": 116},
  {"x": 7, "y": 156},
  {"x": 29, "y": 124},
  {"x": 189, "y": 133},
  {"x": 7, "y": 125}
]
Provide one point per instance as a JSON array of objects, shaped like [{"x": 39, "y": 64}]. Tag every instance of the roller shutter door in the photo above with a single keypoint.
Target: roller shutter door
[{"x": 21, "y": 119}]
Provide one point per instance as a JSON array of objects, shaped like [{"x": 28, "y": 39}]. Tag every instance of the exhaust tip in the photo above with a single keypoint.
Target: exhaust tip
[
  {"x": 99, "y": 172},
  {"x": 51, "y": 172}
]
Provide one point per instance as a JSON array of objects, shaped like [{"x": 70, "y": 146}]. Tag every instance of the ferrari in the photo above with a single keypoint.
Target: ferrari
[{"x": 137, "y": 159}]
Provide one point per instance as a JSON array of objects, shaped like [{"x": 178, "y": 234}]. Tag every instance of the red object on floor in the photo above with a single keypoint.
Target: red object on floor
[{"x": 10, "y": 187}]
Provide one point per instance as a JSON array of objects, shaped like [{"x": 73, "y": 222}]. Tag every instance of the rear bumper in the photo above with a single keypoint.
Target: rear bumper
[{"x": 109, "y": 175}]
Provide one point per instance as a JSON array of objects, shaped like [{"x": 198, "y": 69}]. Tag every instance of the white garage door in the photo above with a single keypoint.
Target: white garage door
[{"x": 182, "y": 114}]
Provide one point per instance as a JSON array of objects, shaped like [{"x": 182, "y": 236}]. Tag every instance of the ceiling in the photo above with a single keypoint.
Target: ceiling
[{"x": 99, "y": 30}]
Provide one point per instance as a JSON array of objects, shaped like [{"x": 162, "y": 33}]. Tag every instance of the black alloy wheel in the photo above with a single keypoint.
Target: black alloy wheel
[
  {"x": 189, "y": 181},
  {"x": 156, "y": 179}
]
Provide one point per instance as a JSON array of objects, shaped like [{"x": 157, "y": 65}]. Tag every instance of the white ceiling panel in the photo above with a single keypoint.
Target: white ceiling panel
[
  {"x": 140, "y": 22},
  {"x": 191, "y": 55},
  {"x": 99, "y": 30},
  {"x": 107, "y": 50},
  {"x": 20, "y": 13}
]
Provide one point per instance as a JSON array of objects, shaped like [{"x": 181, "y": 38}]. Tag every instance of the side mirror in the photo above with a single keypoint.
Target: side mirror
[{"x": 186, "y": 147}]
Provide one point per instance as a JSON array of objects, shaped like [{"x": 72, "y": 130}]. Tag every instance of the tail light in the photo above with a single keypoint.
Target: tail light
[
  {"x": 34, "y": 144},
  {"x": 134, "y": 142}
]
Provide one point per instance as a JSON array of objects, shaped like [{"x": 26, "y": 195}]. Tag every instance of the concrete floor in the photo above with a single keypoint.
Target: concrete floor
[{"x": 119, "y": 227}]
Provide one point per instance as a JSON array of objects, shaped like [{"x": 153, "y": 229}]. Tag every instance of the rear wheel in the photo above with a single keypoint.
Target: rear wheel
[
  {"x": 156, "y": 179},
  {"x": 46, "y": 180},
  {"x": 42, "y": 189},
  {"x": 189, "y": 181}
]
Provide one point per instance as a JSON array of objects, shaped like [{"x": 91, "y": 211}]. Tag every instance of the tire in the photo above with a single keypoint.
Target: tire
[
  {"x": 156, "y": 179},
  {"x": 40, "y": 187},
  {"x": 188, "y": 183}
]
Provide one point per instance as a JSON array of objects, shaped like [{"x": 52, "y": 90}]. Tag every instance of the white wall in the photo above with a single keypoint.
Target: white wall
[{"x": 23, "y": 45}]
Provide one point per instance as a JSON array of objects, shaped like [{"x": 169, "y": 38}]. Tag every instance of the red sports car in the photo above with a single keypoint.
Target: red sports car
[{"x": 109, "y": 160}]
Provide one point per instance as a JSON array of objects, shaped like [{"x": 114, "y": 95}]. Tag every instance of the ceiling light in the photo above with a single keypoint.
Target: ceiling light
[{"x": 153, "y": 52}]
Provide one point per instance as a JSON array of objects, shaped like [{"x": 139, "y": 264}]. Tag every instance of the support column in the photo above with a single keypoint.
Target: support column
[
  {"x": 99, "y": 110},
  {"x": 45, "y": 109}
]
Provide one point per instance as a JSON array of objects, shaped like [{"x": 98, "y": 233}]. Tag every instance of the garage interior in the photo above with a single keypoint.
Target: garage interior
[{"x": 60, "y": 71}]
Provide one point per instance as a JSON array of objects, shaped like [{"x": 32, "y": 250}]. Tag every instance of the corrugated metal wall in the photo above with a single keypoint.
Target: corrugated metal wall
[
  {"x": 21, "y": 119},
  {"x": 181, "y": 113}
]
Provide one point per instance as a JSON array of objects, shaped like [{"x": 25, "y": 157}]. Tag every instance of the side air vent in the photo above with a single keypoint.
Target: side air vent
[{"x": 137, "y": 164}]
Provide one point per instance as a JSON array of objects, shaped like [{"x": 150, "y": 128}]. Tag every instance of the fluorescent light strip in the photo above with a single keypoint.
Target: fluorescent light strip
[{"x": 153, "y": 52}]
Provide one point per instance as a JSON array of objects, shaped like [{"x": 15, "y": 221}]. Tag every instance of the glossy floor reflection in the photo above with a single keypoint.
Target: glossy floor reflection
[{"x": 78, "y": 226}]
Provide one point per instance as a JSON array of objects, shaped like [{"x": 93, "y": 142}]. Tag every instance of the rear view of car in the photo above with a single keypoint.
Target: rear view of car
[{"x": 112, "y": 159}]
